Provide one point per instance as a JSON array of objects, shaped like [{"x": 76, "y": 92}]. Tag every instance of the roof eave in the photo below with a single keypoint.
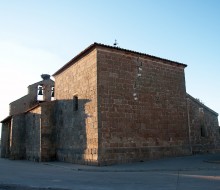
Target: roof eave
[
  {"x": 77, "y": 57},
  {"x": 94, "y": 45}
]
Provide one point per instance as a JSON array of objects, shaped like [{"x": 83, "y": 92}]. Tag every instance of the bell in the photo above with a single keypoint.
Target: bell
[{"x": 40, "y": 91}]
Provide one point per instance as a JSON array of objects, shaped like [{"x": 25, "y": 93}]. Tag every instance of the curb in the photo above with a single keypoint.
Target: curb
[{"x": 133, "y": 170}]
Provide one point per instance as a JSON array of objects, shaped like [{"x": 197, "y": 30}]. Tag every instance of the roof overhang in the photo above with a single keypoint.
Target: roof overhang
[{"x": 98, "y": 45}]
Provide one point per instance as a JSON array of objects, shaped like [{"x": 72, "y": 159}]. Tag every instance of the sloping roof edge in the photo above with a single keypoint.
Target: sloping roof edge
[
  {"x": 33, "y": 107},
  {"x": 201, "y": 104},
  {"x": 10, "y": 116},
  {"x": 95, "y": 45},
  {"x": 7, "y": 118}
]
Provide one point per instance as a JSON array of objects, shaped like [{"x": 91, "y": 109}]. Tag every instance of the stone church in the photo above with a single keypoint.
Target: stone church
[{"x": 109, "y": 105}]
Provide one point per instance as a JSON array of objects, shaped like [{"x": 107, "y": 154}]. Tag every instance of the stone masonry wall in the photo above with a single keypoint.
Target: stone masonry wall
[
  {"x": 152, "y": 127},
  {"x": 17, "y": 150},
  {"x": 20, "y": 105},
  {"x": 48, "y": 132},
  {"x": 204, "y": 127},
  {"x": 77, "y": 130},
  {"x": 33, "y": 130},
  {"x": 5, "y": 139}
]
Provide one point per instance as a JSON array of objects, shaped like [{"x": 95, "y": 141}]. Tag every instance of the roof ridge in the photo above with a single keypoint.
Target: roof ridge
[
  {"x": 95, "y": 44},
  {"x": 132, "y": 51},
  {"x": 201, "y": 104}
]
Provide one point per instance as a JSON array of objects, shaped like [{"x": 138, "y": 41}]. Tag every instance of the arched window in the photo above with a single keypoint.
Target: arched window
[
  {"x": 52, "y": 93},
  {"x": 75, "y": 103},
  {"x": 40, "y": 93}
]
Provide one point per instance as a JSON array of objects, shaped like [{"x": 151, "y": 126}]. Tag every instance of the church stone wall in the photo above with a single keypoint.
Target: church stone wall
[
  {"x": 77, "y": 129},
  {"x": 20, "y": 105},
  {"x": 17, "y": 150},
  {"x": 152, "y": 127},
  {"x": 5, "y": 139},
  {"x": 204, "y": 127},
  {"x": 48, "y": 132},
  {"x": 33, "y": 130}
]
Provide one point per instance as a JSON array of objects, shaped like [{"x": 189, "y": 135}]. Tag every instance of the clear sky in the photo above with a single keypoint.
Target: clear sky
[{"x": 41, "y": 36}]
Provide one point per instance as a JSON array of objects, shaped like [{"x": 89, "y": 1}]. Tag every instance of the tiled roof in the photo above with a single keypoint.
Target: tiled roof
[{"x": 95, "y": 45}]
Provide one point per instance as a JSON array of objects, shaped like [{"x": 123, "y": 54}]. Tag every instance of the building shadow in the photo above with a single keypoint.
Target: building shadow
[
  {"x": 57, "y": 130},
  {"x": 71, "y": 130}
]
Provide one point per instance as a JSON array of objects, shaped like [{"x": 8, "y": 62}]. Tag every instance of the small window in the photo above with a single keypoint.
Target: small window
[
  {"x": 52, "y": 93},
  {"x": 40, "y": 93},
  {"x": 203, "y": 130},
  {"x": 75, "y": 103}
]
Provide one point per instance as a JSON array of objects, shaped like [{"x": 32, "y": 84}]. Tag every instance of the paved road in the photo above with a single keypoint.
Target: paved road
[{"x": 200, "y": 172}]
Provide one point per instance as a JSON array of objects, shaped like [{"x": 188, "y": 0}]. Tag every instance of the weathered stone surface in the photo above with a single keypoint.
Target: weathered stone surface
[
  {"x": 40, "y": 133},
  {"x": 153, "y": 126},
  {"x": 48, "y": 132},
  {"x": 17, "y": 150},
  {"x": 33, "y": 136},
  {"x": 5, "y": 139},
  {"x": 77, "y": 130},
  {"x": 204, "y": 127}
]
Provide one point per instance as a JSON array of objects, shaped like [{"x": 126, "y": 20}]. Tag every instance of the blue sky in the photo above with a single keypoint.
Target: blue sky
[{"x": 41, "y": 36}]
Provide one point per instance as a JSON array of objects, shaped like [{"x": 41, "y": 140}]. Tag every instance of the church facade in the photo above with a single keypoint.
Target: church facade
[{"x": 109, "y": 105}]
